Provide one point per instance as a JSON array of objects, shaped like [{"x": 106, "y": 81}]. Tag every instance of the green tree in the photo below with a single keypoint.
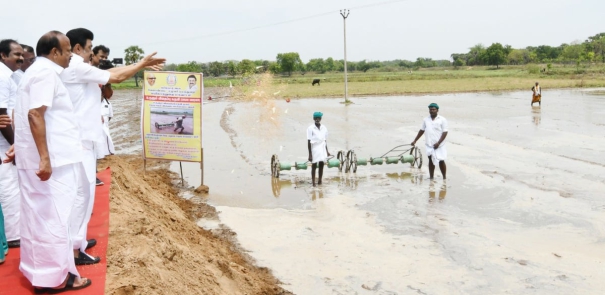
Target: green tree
[
  {"x": 363, "y": 66},
  {"x": 191, "y": 66},
  {"x": 572, "y": 52},
  {"x": 316, "y": 65},
  {"x": 246, "y": 67},
  {"x": 329, "y": 65},
  {"x": 288, "y": 62},
  {"x": 216, "y": 68},
  {"x": 496, "y": 55},
  {"x": 170, "y": 67},
  {"x": 231, "y": 68},
  {"x": 476, "y": 55},
  {"x": 274, "y": 68},
  {"x": 134, "y": 54},
  {"x": 458, "y": 63}
]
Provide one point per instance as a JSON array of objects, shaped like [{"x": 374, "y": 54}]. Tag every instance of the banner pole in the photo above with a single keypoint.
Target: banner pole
[{"x": 182, "y": 180}]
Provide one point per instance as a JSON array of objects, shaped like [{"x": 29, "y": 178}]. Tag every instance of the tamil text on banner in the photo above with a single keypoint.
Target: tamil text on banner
[{"x": 172, "y": 116}]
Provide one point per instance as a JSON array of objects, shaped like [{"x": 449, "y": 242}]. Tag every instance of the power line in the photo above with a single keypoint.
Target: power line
[{"x": 270, "y": 25}]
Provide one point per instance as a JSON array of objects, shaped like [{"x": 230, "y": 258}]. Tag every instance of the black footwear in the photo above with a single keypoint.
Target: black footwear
[
  {"x": 91, "y": 243},
  {"x": 68, "y": 287},
  {"x": 99, "y": 182},
  {"x": 14, "y": 244},
  {"x": 85, "y": 259}
]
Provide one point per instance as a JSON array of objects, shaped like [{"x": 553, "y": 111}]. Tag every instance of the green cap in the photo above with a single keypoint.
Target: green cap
[
  {"x": 318, "y": 115},
  {"x": 434, "y": 105}
]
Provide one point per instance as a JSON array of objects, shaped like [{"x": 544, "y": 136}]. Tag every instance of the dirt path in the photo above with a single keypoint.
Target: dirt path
[{"x": 155, "y": 247}]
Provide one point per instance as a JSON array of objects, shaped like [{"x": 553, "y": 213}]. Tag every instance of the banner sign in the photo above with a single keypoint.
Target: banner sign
[{"x": 171, "y": 116}]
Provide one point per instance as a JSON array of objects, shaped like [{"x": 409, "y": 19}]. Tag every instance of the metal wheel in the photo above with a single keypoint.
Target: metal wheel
[
  {"x": 341, "y": 157},
  {"x": 348, "y": 161},
  {"x": 354, "y": 162},
  {"x": 417, "y": 157},
  {"x": 274, "y": 166}
]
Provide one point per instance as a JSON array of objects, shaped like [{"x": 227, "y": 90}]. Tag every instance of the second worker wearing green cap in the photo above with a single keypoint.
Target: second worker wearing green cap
[
  {"x": 435, "y": 127},
  {"x": 317, "y": 134}
]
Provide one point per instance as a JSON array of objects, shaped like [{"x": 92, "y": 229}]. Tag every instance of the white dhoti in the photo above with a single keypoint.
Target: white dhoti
[
  {"x": 105, "y": 146},
  {"x": 436, "y": 155},
  {"x": 318, "y": 151},
  {"x": 85, "y": 198},
  {"x": 46, "y": 248},
  {"x": 10, "y": 200}
]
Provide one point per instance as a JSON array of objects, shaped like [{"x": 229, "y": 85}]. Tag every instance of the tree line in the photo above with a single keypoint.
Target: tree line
[{"x": 590, "y": 50}]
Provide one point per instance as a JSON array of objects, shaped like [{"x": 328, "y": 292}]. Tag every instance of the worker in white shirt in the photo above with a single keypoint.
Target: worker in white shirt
[
  {"x": 436, "y": 129},
  {"x": 317, "y": 134}
]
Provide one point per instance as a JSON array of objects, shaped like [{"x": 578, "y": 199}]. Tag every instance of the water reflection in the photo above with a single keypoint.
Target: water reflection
[
  {"x": 536, "y": 113},
  {"x": 317, "y": 194},
  {"x": 433, "y": 191},
  {"x": 400, "y": 176},
  {"x": 277, "y": 184},
  {"x": 349, "y": 181}
]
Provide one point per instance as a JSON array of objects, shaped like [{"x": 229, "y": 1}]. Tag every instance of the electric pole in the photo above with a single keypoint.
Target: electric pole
[{"x": 345, "y": 14}]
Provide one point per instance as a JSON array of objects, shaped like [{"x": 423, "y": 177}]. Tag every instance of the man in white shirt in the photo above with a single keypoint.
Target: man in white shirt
[
  {"x": 49, "y": 153},
  {"x": 82, "y": 81},
  {"x": 317, "y": 134},
  {"x": 11, "y": 58},
  {"x": 435, "y": 127},
  {"x": 192, "y": 81},
  {"x": 29, "y": 56}
]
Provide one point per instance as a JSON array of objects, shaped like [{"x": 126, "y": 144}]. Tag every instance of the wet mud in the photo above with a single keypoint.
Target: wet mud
[{"x": 522, "y": 210}]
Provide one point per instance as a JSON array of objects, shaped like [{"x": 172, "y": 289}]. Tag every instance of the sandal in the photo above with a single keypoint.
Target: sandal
[
  {"x": 69, "y": 286},
  {"x": 85, "y": 259}
]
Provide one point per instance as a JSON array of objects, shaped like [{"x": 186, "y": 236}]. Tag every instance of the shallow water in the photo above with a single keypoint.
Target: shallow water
[{"x": 522, "y": 210}]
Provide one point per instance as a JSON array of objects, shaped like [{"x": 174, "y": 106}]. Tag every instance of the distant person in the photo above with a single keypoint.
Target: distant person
[
  {"x": 179, "y": 123},
  {"x": 105, "y": 147},
  {"x": 317, "y": 134},
  {"x": 150, "y": 79},
  {"x": 192, "y": 80},
  {"x": 29, "y": 56},
  {"x": 99, "y": 53},
  {"x": 436, "y": 129},
  {"x": 537, "y": 95}
]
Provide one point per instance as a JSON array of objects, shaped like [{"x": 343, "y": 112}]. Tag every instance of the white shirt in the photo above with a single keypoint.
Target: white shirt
[
  {"x": 8, "y": 89},
  {"x": 106, "y": 109},
  {"x": 17, "y": 75},
  {"x": 42, "y": 86},
  {"x": 433, "y": 129},
  {"x": 82, "y": 81},
  {"x": 316, "y": 135}
]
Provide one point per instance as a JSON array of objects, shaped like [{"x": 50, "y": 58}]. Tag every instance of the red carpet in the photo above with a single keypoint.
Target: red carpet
[{"x": 12, "y": 282}]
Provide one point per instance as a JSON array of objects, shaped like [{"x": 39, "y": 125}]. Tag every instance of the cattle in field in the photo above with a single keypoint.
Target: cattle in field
[{"x": 315, "y": 81}]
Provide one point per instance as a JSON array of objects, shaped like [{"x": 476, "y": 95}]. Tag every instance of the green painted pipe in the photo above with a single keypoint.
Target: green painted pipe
[
  {"x": 362, "y": 162},
  {"x": 285, "y": 166},
  {"x": 333, "y": 163},
  {"x": 301, "y": 166},
  {"x": 407, "y": 159},
  {"x": 376, "y": 161},
  {"x": 392, "y": 160}
]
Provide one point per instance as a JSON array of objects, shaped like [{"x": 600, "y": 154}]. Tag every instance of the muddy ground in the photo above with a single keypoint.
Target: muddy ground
[{"x": 520, "y": 213}]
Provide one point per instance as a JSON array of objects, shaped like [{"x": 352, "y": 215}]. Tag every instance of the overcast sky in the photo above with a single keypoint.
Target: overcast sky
[{"x": 185, "y": 30}]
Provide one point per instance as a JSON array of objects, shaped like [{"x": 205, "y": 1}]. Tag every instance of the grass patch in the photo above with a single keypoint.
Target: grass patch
[{"x": 433, "y": 80}]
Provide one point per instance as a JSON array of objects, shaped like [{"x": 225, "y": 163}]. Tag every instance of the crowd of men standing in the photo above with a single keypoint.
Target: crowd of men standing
[{"x": 51, "y": 133}]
